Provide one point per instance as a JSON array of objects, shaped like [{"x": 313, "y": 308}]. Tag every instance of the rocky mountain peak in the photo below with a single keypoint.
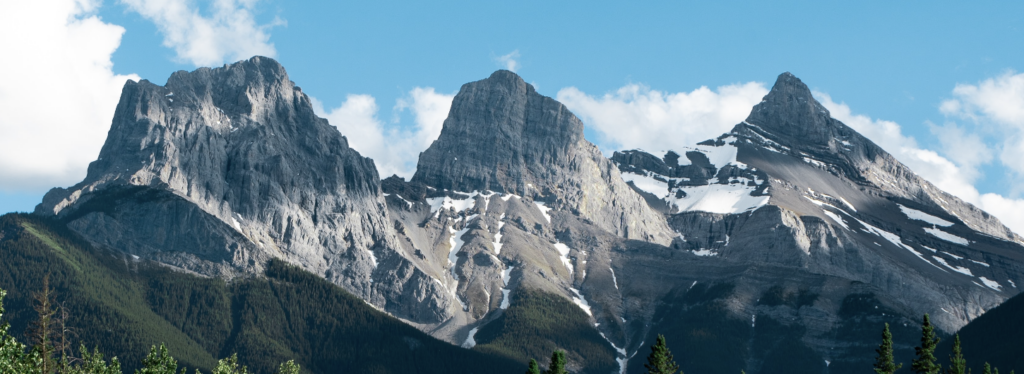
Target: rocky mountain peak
[
  {"x": 500, "y": 135},
  {"x": 790, "y": 110}
]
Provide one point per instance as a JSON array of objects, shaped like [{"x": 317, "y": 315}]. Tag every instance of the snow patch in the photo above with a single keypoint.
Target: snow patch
[
  {"x": 456, "y": 242},
  {"x": 504, "y": 298},
  {"x": 991, "y": 284},
  {"x": 922, "y": 216},
  {"x": 614, "y": 281},
  {"x": 506, "y": 275},
  {"x": 543, "y": 210},
  {"x": 946, "y": 236},
  {"x": 646, "y": 183},
  {"x": 509, "y": 196},
  {"x": 563, "y": 253},
  {"x": 470, "y": 342},
  {"x": 952, "y": 255},
  {"x": 979, "y": 263},
  {"x": 445, "y": 202},
  {"x": 581, "y": 302},
  {"x": 497, "y": 235},
  {"x": 237, "y": 225},
  {"x": 705, "y": 252},
  {"x": 718, "y": 198},
  {"x": 958, "y": 269},
  {"x": 1014, "y": 285},
  {"x": 836, "y": 218}
]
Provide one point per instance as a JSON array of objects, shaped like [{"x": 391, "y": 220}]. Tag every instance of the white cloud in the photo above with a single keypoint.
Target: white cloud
[
  {"x": 635, "y": 116},
  {"x": 229, "y": 33},
  {"x": 58, "y": 95},
  {"x": 957, "y": 178},
  {"x": 995, "y": 107},
  {"x": 510, "y": 61},
  {"x": 394, "y": 149}
]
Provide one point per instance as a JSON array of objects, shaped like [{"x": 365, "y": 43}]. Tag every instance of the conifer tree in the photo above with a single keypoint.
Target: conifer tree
[
  {"x": 988, "y": 369},
  {"x": 230, "y": 366},
  {"x": 289, "y": 367},
  {"x": 957, "y": 363},
  {"x": 12, "y": 353},
  {"x": 533, "y": 368},
  {"x": 884, "y": 363},
  {"x": 925, "y": 361},
  {"x": 661, "y": 361},
  {"x": 557, "y": 365},
  {"x": 158, "y": 361}
]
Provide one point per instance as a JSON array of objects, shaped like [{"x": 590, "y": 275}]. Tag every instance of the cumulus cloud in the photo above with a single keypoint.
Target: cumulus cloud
[
  {"x": 228, "y": 33},
  {"x": 510, "y": 61},
  {"x": 636, "y": 116},
  {"x": 58, "y": 95},
  {"x": 957, "y": 178},
  {"x": 394, "y": 149},
  {"x": 995, "y": 107}
]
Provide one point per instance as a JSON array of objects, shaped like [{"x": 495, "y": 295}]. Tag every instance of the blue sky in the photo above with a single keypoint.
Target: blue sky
[{"x": 382, "y": 70}]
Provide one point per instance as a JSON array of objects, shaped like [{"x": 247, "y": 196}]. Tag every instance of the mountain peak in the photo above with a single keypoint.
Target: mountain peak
[{"x": 790, "y": 109}]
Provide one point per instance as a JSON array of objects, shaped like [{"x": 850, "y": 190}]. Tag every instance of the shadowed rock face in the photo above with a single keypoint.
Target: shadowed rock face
[{"x": 236, "y": 157}]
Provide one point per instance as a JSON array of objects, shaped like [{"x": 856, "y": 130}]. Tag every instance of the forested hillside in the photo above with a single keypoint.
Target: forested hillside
[{"x": 124, "y": 306}]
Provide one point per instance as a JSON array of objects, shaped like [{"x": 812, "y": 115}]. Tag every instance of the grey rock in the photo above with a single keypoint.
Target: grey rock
[{"x": 222, "y": 169}]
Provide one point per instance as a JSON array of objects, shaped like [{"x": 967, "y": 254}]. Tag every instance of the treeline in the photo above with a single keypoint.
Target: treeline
[
  {"x": 51, "y": 353},
  {"x": 925, "y": 361},
  {"x": 125, "y": 306}
]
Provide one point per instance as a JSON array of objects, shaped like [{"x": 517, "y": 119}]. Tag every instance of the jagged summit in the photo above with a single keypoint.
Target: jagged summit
[
  {"x": 500, "y": 135},
  {"x": 503, "y": 136}
]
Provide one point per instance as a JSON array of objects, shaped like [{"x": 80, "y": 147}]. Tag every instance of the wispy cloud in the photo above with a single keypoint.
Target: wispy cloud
[
  {"x": 394, "y": 148},
  {"x": 229, "y": 32},
  {"x": 636, "y": 116},
  {"x": 510, "y": 61},
  {"x": 59, "y": 94}
]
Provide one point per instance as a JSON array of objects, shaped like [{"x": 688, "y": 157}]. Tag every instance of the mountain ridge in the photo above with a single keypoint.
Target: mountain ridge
[{"x": 228, "y": 168}]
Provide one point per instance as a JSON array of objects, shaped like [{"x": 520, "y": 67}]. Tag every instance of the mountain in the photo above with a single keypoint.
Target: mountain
[
  {"x": 223, "y": 169},
  {"x": 995, "y": 337},
  {"x": 122, "y": 305},
  {"x": 826, "y": 234},
  {"x": 782, "y": 245}
]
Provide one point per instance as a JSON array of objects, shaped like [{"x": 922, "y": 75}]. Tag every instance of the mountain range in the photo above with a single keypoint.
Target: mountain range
[{"x": 780, "y": 246}]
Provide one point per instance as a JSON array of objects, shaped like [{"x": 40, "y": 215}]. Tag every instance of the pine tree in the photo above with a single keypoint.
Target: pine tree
[
  {"x": 230, "y": 366},
  {"x": 289, "y": 367},
  {"x": 12, "y": 353},
  {"x": 988, "y": 369},
  {"x": 158, "y": 362},
  {"x": 533, "y": 369},
  {"x": 957, "y": 363},
  {"x": 557, "y": 365},
  {"x": 925, "y": 361},
  {"x": 661, "y": 361},
  {"x": 884, "y": 363}
]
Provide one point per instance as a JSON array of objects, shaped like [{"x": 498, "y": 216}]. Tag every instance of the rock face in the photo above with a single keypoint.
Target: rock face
[
  {"x": 805, "y": 225},
  {"x": 501, "y": 135},
  {"x": 780, "y": 246},
  {"x": 222, "y": 169}
]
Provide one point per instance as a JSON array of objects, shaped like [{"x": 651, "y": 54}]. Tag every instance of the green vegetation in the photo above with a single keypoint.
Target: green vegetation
[
  {"x": 660, "y": 360},
  {"x": 126, "y": 307},
  {"x": 884, "y": 363},
  {"x": 925, "y": 361},
  {"x": 537, "y": 323},
  {"x": 62, "y": 291}
]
